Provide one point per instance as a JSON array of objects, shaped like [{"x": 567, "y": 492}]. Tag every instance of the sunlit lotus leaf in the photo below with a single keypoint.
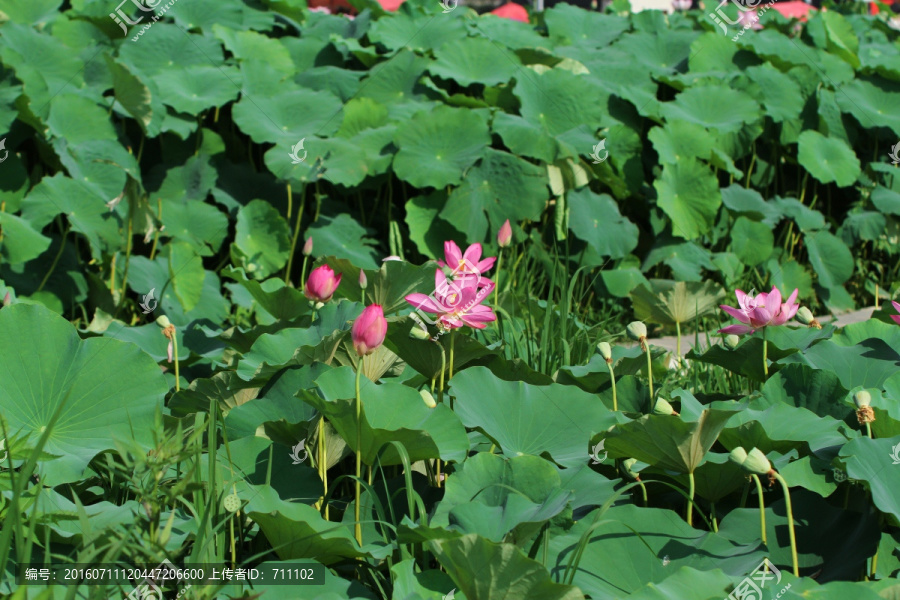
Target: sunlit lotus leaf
[
  {"x": 828, "y": 159},
  {"x": 668, "y": 302}
]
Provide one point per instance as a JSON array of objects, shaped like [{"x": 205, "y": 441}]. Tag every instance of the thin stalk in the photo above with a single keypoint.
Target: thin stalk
[
  {"x": 497, "y": 288},
  {"x": 762, "y": 508},
  {"x": 612, "y": 377},
  {"x": 678, "y": 341},
  {"x": 287, "y": 270},
  {"x": 62, "y": 246},
  {"x": 712, "y": 511},
  {"x": 790, "y": 516},
  {"x": 649, "y": 371},
  {"x": 690, "y": 506},
  {"x": 869, "y": 430},
  {"x": 358, "y": 529},
  {"x": 323, "y": 462},
  {"x": 443, "y": 368},
  {"x": 175, "y": 356},
  {"x": 765, "y": 354},
  {"x": 643, "y": 492}
]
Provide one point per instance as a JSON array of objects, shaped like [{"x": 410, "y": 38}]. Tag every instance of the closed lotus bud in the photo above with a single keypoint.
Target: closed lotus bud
[
  {"x": 662, "y": 407},
  {"x": 7, "y": 300},
  {"x": 757, "y": 462},
  {"x": 732, "y": 341},
  {"x": 605, "y": 351},
  {"x": 504, "y": 236},
  {"x": 307, "y": 247},
  {"x": 321, "y": 285},
  {"x": 738, "y": 456},
  {"x": 363, "y": 282},
  {"x": 862, "y": 399},
  {"x": 427, "y": 398},
  {"x": 163, "y": 321},
  {"x": 369, "y": 330},
  {"x": 636, "y": 331},
  {"x": 806, "y": 317},
  {"x": 626, "y": 468}
]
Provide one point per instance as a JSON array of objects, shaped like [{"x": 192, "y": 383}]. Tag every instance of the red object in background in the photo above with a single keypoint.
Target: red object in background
[
  {"x": 873, "y": 8},
  {"x": 390, "y": 5},
  {"x": 334, "y": 6},
  {"x": 794, "y": 9},
  {"x": 512, "y": 11}
]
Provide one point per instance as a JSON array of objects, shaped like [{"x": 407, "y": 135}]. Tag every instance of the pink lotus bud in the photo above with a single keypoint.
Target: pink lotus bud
[
  {"x": 504, "y": 236},
  {"x": 363, "y": 282},
  {"x": 169, "y": 349},
  {"x": 7, "y": 300},
  {"x": 307, "y": 247},
  {"x": 321, "y": 284},
  {"x": 369, "y": 330}
]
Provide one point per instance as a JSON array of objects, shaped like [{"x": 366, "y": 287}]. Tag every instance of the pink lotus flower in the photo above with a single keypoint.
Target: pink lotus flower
[
  {"x": 764, "y": 310},
  {"x": 469, "y": 263},
  {"x": 457, "y": 302},
  {"x": 369, "y": 330},
  {"x": 897, "y": 308},
  {"x": 504, "y": 236},
  {"x": 321, "y": 284}
]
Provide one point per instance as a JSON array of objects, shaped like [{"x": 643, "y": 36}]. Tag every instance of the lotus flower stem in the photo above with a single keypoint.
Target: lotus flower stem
[
  {"x": 649, "y": 369},
  {"x": 765, "y": 354},
  {"x": 690, "y": 507},
  {"x": 497, "y": 288},
  {"x": 358, "y": 528},
  {"x": 762, "y": 508},
  {"x": 790, "y": 516},
  {"x": 712, "y": 514},
  {"x": 643, "y": 492},
  {"x": 287, "y": 271},
  {"x": 745, "y": 494},
  {"x": 452, "y": 343},
  {"x": 678, "y": 341},
  {"x": 175, "y": 353},
  {"x": 443, "y": 368},
  {"x": 612, "y": 378},
  {"x": 323, "y": 462}
]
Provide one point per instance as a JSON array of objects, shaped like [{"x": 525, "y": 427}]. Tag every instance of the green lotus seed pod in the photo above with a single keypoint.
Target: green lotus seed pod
[
  {"x": 232, "y": 503},
  {"x": 163, "y": 321},
  {"x": 419, "y": 334},
  {"x": 427, "y": 398},
  {"x": 636, "y": 330},
  {"x": 805, "y": 316},
  {"x": 862, "y": 399},
  {"x": 732, "y": 341},
  {"x": 605, "y": 351},
  {"x": 757, "y": 462},
  {"x": 626, "y": 468},
  {"x": 738, "y": 456},
  {"x": 662, "y": 407}
]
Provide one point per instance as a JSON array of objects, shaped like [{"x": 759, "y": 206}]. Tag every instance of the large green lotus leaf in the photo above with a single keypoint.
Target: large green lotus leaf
[
  {"x": 102, "y": 165},
  {"x": 686, "y": 259},
  {"x": 173, "y": 46},
  {"x": 659, "y": 53},
  {"x": 186, "y": 274},
  {"x": 868, "y": 103},
  {"x": 42, "y": 63},
  {"x": 855, "y": 333},
  {"x": 474, "y": 60},
  {"x": 873, "y": 461},
  {"x": 865, "y": 226},
  {"x": 262, "y": 239},
  {"x": 248, "y": 45},
  {"x": 513, "y": 34},
  {"x": 573, "y": 26},
  {"x": 86, "y": 212},
  {"x": 828, "y": 159},
  {"x": 343, "y": 83},
  {"x": 689, "y": 193},
  {"x": 390, "y": 412},
  {"x": 805, "y": 387},
  {"x": 344, "y": 238},
  {"x": 286, "y": 117},
  {"x": 812, "y": 473},
  {"x": 828, "y": 538},
  {"x": 746, "y": 202},
  {"x": 197, "y": 88},
  {"x": 595, "y": 218},
  {"x": 426, "y": 229},
  {"x": 685, "y": 584},
  {"x": 30, "y": 13},
  {"x": 396, "y": 80},
  {"x": 783, "y": 99},
  {"x": 666, "y": 441},
  {"x": 617, "y": 561},
  {"x": 830, "y": 258},
  {"x": 667, "y": 302},
  {"x": 185, "y": 215},
  {"x": 20, "y": 242},
  {"x": 502, "y": 186},
  {"x": 713, "y": 107},
  {"x": 807, "y": 219},
  {"x": 493, "y": 497},
  {"x": 589, "y": 487},
  {"x": 388, "y": 286},
  {"x": 530, "y": 419},
  {"x": 868, "y": 364},
  {"x": 253, "y": 459},
  {"x": 349, "y": 162},
  {"x": 205, "y": 14},
  {"x": 361, "y": 114},
  {"x": 279, "y": 300},
  {"x": 525, "y": 138},
  {"x": 716, "y": 477},
  {"x": 842, "y": 39},
  {"x": 677, "y": 140},
  {"x": 136, "y": 97},
  {"x": 416, "y": 31},
  {"x": 559, "y": 101},
  {"x": 105, "y": 389},
  {"x": 424, "y": 356},
  {"x": 781, "y": 428},
  {"x": 410, "y": 582},
  {"x": 751, "y": 241},
  {"x": 298, "y": 530},
  {"x": 78, "y": 119},
  {"x": 446, "y": 140},
  {"x": 483, "y": 570}
]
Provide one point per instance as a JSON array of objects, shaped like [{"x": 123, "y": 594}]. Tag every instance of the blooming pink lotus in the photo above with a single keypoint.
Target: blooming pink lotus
[
  {"x": 894, "y": 317},
  {"x": 466, "y": 263},
  {"x": 321, "y": 285},
  {"x": 457, "y": 302},
  {"x": 763, "y": 310},
  {"x": 369, "y": 330}
]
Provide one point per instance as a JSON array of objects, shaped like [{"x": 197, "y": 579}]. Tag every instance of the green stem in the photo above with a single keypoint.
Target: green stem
[
  {"x": 715, "y": 523},
  {"x": 790, "y": 516},
  {"x": 323, "y": 462},
  {"x": 612, "y": 377},
  {"x": 762, "y": 508},
  {"x": 765, "y": 354},
  {"x": 690, "y": 507},
  {"x": 678, "y": 341},
  {"x": 443, "y": 368},
  {"x": 452, "y": 343},
  {"x": 287, "y": 270},
  {"x": 644, "y": 492},
  {"x": 497, "y": 288},
  {"x": 175, "y": 353},
  {"x": 869, "y": 430},
  {"x": 358, "y": 529},
  {"x": 649, "y": 371}
]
